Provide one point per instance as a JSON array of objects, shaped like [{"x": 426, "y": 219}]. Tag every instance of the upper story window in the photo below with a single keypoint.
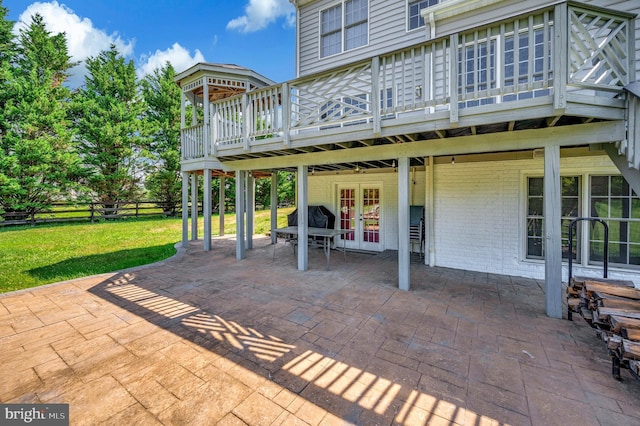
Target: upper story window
[
  {"x": 344, "y": 26},
  {"x": 414, "y": 18}
]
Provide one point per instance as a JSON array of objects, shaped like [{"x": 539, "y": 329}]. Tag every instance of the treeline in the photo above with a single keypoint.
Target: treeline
[{"x": 114, "y": 139}]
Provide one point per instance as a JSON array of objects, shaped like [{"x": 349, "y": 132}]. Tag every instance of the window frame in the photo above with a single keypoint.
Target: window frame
[
  {"x": 583, "y": 237},
  {"x": 343, "y": 107},
  {"x": 630, "y": 197},
  {"x": 421, "y": 23},
  {"x": 343, "y": 30},
  {"x": 564, "y": 218}
]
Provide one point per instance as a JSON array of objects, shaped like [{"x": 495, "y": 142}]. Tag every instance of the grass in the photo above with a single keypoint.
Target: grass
[{"x": 34, "y": 256}]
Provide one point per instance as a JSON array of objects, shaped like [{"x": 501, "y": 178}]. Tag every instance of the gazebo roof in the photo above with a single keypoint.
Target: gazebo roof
[{"x": 224, "y": 80}]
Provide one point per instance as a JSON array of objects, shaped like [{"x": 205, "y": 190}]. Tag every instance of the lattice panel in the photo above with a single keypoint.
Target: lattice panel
[
  {"x": 331, "y": 98},
  {"x": 598, "y": 48}
]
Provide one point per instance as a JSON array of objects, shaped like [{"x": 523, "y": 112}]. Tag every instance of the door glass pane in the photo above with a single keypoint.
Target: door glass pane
[
  {"x": 371, "y": 215},
  {"x": 348, "y": 212}
]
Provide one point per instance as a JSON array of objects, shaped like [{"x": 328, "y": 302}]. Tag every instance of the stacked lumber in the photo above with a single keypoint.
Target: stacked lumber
[{"x": 612, "y": 307}]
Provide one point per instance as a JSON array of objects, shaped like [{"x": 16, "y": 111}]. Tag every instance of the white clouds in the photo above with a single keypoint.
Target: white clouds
[
  {"x": 83, "y": 39},
  {"x": 260, "y": 13},
  {"x": 179, "y": 57}
]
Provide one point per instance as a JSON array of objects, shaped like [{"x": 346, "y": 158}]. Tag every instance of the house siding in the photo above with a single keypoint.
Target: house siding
[
  {"x": 479, "y": 212},
  {"x": 387, "y": 32}
]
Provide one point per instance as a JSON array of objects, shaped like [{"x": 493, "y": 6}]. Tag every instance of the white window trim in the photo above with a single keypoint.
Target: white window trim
[
  {"x": 408, "y": 28},
  {"x": 585, "y": 198},
  {"x": 342, "y": 30}
]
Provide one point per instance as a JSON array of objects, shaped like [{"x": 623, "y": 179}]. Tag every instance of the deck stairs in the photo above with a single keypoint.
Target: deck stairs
[{"x": 625, "y": 154}]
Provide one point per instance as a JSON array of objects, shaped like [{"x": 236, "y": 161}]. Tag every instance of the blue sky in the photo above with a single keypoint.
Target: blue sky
[{"x": 257, "y": 34}]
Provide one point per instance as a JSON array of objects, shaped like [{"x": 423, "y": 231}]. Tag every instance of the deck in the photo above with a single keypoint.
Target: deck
[{"x": 556, "y": 66}]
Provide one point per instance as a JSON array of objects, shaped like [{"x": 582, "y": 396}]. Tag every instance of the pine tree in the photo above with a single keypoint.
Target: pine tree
[
  {"x": 38, "y": 162},
  {"x": 109, "y": 112},
  {"x": 7, "y": 53},
  {"x": 162, "y": 96}
]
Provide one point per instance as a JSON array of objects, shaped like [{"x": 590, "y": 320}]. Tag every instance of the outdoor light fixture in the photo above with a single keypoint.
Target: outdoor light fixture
[
  {"x": 313, "y": 171},
  {"x": 357, "y": 170},
  {"x": 453, "y": 160}
]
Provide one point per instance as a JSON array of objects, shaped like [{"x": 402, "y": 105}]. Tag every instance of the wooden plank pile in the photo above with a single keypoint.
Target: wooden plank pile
[{"x": 612, "y": 307}]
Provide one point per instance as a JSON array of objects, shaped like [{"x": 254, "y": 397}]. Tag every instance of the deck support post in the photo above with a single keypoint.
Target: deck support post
[
  {"x": 303, "y": 218},
  {"x": 403, "y": 224},
  {"x": 274, "y": 206},
  {"x": 221, "y": 204},
  {"x": 240, "y": 180},
  {"x": 194, "y": 206},
  {"x": 206, "y": 210},
  {"x": 552, "y": 232},
  {"x": 429, "y": 223},
  {"x": 185, "y": 209},
  {"x": 250, "y": 209}
]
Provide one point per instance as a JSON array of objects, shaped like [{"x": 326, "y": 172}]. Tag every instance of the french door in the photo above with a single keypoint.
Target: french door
[{"x": 360, "y": 212}]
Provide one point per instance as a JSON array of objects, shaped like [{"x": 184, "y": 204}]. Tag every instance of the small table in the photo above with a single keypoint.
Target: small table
[{"x": 290, "y": 233}]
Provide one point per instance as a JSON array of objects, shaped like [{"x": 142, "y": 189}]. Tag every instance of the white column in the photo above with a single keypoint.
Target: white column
[
  {"x": 206, "y": 209},
  {"x": 274, "y": 205},
  {"x": 240, "y": 178},
  {"x": 183, "y": 107},
  {"x": 194, "y": 206},
  {"x": 552, "y": 232},
  {"x": 303, "y": 218},
  {"x": 221, "y": 201},
  {"x": 206, "y": 131},
  {"x": 430, "y": 221},
  {"x": 251, "y": 208},
  {"x": 185, "y": 209},
  {"x": 403, "y": 223}
]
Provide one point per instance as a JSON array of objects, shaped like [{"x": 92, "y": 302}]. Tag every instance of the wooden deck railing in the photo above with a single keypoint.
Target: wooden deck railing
[{"x": 553, "y": 52}]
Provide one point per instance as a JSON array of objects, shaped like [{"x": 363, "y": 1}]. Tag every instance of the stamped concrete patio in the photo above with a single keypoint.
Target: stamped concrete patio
[{"x": 205, "y": 339}]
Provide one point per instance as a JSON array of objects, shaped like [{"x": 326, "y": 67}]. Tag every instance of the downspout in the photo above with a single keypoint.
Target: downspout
[{"x": 296, "y": 47}]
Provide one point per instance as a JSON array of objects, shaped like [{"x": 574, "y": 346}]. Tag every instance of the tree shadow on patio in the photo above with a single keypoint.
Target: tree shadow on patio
[{"x": 347, "y": 383}]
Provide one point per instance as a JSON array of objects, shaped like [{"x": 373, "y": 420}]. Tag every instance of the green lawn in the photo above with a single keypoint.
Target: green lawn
[{"x": 33, "y": 256}]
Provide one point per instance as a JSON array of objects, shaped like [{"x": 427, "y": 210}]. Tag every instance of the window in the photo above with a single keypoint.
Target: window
[
  {"x": 358, "y": 107},
  {"x": 342, "y": 109},
  {"x": 358, "y": 104},
  {"x": 413, "y": 12},
  {"x": 356, "y": 26},
  {"x": 477, "y": 71},
  {"x": 340, "y": 33},
  {"x": 515, "y": 74},
  {"x": 329, "y": 112},
  {"x": 331, "y": 31},
  {"x": 613, "y": 201},
  {"x": 609, "y": 198},
  {"x": 386, "y": 98},
  {"x": 535, "y": 215}
]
